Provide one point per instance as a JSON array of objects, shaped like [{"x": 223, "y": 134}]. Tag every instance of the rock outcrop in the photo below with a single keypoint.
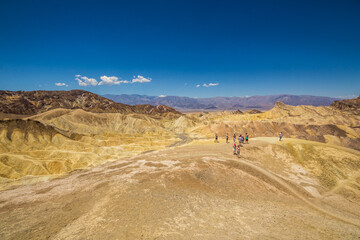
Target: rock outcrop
[
  {"x": 237, "y": 112},
  {"x": 253, "y": 111},
  {"x": 348, "y": 105},
  {"x": 154, "y": 110}
]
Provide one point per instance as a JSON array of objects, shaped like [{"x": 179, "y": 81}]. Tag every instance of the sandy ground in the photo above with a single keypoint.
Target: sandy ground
[{"x": 195, "y": 191}]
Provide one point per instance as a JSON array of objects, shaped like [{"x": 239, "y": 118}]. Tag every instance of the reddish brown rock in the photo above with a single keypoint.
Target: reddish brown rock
[{"x": 34, "y": 102}]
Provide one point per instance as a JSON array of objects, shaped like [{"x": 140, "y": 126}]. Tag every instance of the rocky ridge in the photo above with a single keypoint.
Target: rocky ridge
[
  {"x": 35, "y": 102},
  {"x": 348, "y": 105}
]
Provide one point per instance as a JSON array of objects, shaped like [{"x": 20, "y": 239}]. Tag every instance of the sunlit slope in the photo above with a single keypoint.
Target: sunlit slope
[
  {"x": 333, "y": 168},
  {"x": 59, "y": 141},
  {"x": 323, "y": 124},
  {"x": 84, "y": 122},
  {"x": 198, "y": 191}
]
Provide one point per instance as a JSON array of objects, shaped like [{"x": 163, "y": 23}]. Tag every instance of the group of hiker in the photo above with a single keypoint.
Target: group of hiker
[{"x": 241, "y": 140}]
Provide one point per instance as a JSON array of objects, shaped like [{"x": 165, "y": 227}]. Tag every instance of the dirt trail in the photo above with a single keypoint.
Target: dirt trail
[{"x": 184, "y": 140}]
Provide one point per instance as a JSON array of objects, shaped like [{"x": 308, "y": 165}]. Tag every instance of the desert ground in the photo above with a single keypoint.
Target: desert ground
[
  {"x": 196, "y": 191},
  {"x": 72, "y": 174}
]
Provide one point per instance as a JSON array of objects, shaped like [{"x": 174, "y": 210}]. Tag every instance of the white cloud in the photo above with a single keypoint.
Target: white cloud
[
  {"x": 210, "y": 85},
  {"x": 141, "y": 79},
  {"x": 105, "y": 80},
  {"x": 162, "y": 95},
  {"x": 85, "y": 81},
  {"x": 81, "y": 83},
  {"x": 61, "y": 84},
  {"x": 198, "y": 85}
]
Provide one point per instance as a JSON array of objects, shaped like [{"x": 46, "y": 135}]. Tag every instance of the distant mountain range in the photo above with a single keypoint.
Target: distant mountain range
[{"x": 222, "y": 103}]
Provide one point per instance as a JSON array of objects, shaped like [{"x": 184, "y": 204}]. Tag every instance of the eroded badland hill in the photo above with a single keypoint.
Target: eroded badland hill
[
  {"x": 71, "y": 171},
  {"x": 34, "y": 102}
]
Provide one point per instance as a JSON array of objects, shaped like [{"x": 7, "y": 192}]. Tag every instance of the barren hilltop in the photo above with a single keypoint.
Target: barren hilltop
[
  {"x": 77, "y": 165},
  {"x": 348, "y": 105},
  {"x": 33, "y": 102}
]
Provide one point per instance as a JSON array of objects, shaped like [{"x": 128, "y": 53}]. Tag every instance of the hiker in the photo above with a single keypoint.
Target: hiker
[
  {"x": 234, "y": 137},
  {"x": 227, "y": 138},
  {"x": 234, "y": 149},
  {"x": 238, "y": 151},
  {"x": 280, "y": 136},
  {"x": 239, "y": 138},
  {"x": 216, "y": 137},
  {"x": 247, "y": 138}
]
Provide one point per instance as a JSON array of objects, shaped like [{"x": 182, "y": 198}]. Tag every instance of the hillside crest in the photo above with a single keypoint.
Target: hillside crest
[{"x": 35, "y": 102}]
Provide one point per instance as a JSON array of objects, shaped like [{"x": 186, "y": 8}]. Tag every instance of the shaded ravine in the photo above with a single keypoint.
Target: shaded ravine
[{"x": 261, "y": 171}]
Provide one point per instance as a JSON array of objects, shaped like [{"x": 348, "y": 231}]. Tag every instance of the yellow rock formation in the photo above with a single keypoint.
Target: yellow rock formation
[{"x": 61, "y": 140}]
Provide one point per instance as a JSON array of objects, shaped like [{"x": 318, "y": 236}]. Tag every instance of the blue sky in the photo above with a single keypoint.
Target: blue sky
[{"x": 170, "y": 47}]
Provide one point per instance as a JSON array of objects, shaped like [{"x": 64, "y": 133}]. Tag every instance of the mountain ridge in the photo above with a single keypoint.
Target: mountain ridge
[
  {"x": 34, "y": 102},
  {"x": 348, "y": 105},
  {"x": 222, "y": 103}
]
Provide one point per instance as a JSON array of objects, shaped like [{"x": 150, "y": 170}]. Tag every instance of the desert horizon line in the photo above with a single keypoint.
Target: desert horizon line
[{"x": 194, "y": 97}]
